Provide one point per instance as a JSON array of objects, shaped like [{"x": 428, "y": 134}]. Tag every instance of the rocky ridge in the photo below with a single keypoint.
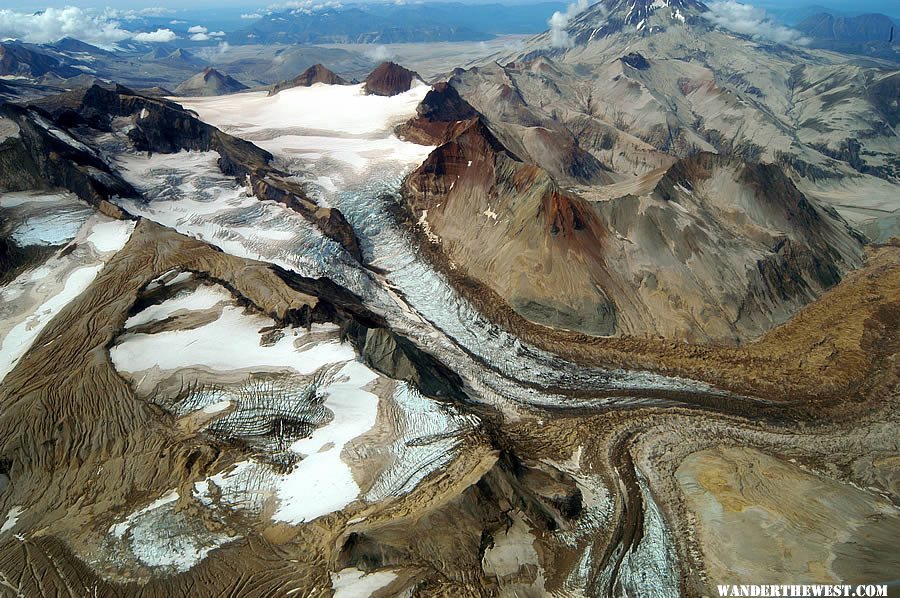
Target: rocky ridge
[{"x": 158, "y": 125}]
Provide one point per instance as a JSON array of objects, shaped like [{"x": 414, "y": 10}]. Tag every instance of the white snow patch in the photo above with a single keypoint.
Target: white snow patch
[
  {"x": 11, "y": 518},
  {"x": 353, "y": 583},
  {"x": 426, "y": 227},
  {"x": 322, "y": 483},
  {"x": 111, "y": 235},
  {"x": 202, "y": 298},
  {"x": 343, "y": 108},
  {"x": 161, "y": 280},
  {"x": 229, "y": 343},
  {"x": 358, "y": 153},
  {"x": 217, "y": 407}
]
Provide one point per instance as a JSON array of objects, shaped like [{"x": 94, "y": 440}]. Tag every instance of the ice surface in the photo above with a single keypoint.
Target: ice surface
[
  {"x": 428, "y": 439},
  {"x": 652, "y": 566},
  {"x": 11, "y": 518},
  {"x": 341, "y": 108},
  {"x": 229, "y": 343},
  {"x": 353, "y": 583},
  {"x": 52, "y": 227},
  {"x": 321, "y": 482},
  {"x": 160, "y": 537},
  {"x": 111, "y": 235},
  {"x": 317, "y": 141}
]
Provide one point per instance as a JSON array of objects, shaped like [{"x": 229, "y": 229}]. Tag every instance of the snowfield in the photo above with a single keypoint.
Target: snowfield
[
  {"x": 331, "y": 134},
  {"x": 337, "y": 108},
  {"x": 231, "y": 342}
]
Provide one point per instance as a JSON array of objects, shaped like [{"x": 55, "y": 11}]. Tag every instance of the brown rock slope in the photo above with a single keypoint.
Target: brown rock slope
[
  {"x": 710, "y": 249},
  {"x": 519, "y": 511},
  {"x": 209, "y": 82},
  {"x": 390, "y": 79},
  {"x": 314, "y": 74}
]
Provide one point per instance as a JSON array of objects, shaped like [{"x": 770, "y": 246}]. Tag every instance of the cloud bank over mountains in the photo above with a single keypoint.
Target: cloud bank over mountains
[
  {"x": 101, "y": 28},
  {"x": 749, "y": 20}
]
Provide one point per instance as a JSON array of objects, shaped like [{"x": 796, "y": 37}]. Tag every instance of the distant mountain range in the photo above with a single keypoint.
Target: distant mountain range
[
  {"x": 874, "y": 35},
  {"x": 862, "y": 28},
  {"x": 402, "y": 23}
]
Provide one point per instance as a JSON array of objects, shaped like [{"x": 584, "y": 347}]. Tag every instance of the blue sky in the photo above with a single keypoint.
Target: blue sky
[
  {"x": 886, "y": 6},
  {"x": 109, "y": 22}
]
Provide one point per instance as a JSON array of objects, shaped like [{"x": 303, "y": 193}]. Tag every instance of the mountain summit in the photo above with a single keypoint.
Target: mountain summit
[
  {"x": 210, "y": 82},
  {"x": 645, "y": 16}
]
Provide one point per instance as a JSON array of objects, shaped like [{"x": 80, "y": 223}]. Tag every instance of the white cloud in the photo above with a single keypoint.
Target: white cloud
[
  {"x": 251, "y": 16},
  {"x": 160, "y": 36},
  {"x": 54, "y": 24},
  {"x": 750, "y": 20},
  {"x": 101, "y": 28},
  {"x": 217, "y": 34},
  {"x": 559, "y": 37},
  {"x": 379, "y": 54},
  {"x": 200, "y": 37},
  {"x": 306, "y": 6},
  {"x": 132, "y": 14},
  {"x": 198, "y": 29}
]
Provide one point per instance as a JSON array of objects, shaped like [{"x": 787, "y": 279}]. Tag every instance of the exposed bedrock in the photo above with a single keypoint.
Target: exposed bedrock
[
  {"x": 390, "y": 79},
  {"x": 209, "y": 82},
  {"x": 317, "y": 73},
  {"x": 473, "y": 527},
  {"x": 43, "y": 156},
  {"x": 158, "y": 125},
  {"x": 709, "y": 248},
  {"x": 509, "y": 225}
]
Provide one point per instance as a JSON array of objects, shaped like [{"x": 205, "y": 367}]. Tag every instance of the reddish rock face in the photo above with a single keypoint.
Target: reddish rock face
[
  {"x": 389, "y": 79},
  {"x": 440, "y": 117},
  {"x": 314, "y": 74}
]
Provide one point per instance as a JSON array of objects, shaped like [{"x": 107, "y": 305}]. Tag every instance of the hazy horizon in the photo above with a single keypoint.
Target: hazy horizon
[
  {"x": 109, "y": 22},
  {"x": 175, "y": 6}
]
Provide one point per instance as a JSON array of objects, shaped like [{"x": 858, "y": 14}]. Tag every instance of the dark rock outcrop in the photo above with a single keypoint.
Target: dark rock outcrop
[
  {"x": 165, "y": 127},
  {"x": 400, "y": 359},
  {"x": 314, "y": 74},
  {"x": 43, "y": 156},
  {"x": 438, "y": 117},
  {"x": 636, "y": 60},
  {"x": 390, "y": 79}
]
